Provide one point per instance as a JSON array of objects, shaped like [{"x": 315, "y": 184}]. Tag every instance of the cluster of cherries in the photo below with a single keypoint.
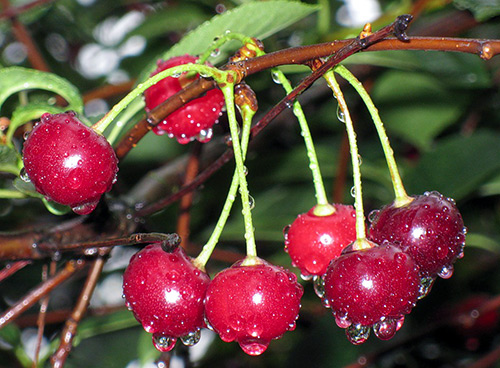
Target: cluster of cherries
[
  {"x": 375, "y": 282},
  {"x": 368, "y": 283},
  {"x": 172, "y": 298}
]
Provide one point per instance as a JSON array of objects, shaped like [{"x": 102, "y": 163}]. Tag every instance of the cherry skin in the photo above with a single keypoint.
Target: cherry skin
[
  {"x": 165, "y": 291},
  {"x": 253, "y": 304},
  {"x": 313, "y": 240},
  {"x": 371, "y": 287},
  {"x": 429, "y": 228},
  {"x": 68, "y": 162},
  {"x": 195, "y": 119}
]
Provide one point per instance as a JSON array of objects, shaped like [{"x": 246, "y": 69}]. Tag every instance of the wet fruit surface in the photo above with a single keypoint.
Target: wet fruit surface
[
  {"x": 165, "y": 291},
  {"x": 253, "y": 304},
  {"x": 313, "y": 241},
  {"x": 430, "y": 229},
  {"x": 369, "y": 287},
  {"x": 195, "y": 119},
  {"x": 68, "y": 162}
]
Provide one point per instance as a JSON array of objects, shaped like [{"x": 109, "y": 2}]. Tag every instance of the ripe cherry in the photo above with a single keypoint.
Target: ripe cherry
[
  {"x": 68, "y": 162},
  {"x": 165, "y": 291},
  {"x": 372, "y": 287},
  {"x": 314, "y": 239},
  {"x": 253, "y": 304},
  {"x": 195, "y": 119},
  {"x": 429, "y": 228}
]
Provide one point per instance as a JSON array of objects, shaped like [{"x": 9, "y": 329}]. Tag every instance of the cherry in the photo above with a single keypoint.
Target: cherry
[
  {"x": 68, "y": 162},
  {"x": 165, "y": 291},
  {"x": 195, "y": 119},
  {"x": 429, "y": 228},
  {"x": 313, "y": 240},
  {"x": 253, "y": 304},
  {"x": 372, "y": 287}
]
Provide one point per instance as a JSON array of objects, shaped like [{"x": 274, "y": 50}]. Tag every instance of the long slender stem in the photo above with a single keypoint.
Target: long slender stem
[
  {"x": 240, "y": 170},
  {"x": 356, "y": 172},
  {"x": 399, "y": 190},
  {"x": 324, "y": 208}
]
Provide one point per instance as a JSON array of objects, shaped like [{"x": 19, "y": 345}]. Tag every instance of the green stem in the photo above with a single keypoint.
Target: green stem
[
  {"x": 323, "y": 208},
  {"x": 356, "y": 172},
  {"x": 202, "y": 259},
  {"x": 8, "y": 193},
  {"x": 401, "y": 197},
  {"x": 240, "y": 170},
  {"x": 205, "y": 70},
  {"x": 220, "y": 41}
]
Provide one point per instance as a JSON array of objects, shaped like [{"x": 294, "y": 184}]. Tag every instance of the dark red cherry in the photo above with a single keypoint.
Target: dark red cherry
[
  {"x": 68, "y": 162},
  {"x": 165, "y": 291},
  {"x": 253, "y": 304},
  {"x": 313, "y": 240},
  {"x": 195, "y": 119},
  {"x": 372, "y": 287},
  {"x": 429, "y": 228}
]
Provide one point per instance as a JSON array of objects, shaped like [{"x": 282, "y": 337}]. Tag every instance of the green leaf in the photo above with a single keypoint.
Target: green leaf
[
  {"x": 15, "y": 79},
  {"x": 254, "y": 19},
  {"x": 482, "y": 9},
  {"x": 9, "y": 160},
  {"x": 416, "y": 106},
  {"x": 10, "y": 335},
  {"x": 458, "y": 166}
]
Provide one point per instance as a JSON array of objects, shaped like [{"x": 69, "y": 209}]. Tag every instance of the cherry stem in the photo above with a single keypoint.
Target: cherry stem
[
  {"x": 240, "y": 170},
  {"x": 401, "y": 197},
  {"x": 247, "y": 114},
  {"x": 324, "y": 207},
  {"x": 220, "y": 41},
  {"x": 205, "y": 70},
  {"x": 356, "y": 172}
]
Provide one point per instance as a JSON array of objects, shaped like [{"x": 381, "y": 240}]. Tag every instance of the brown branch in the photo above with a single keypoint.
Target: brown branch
[
  {"x": 39, "y": 292},
  {"x": 108, "y": 91},
  {"x": 183, "y": 220},
  {"x": 12, "y": 268},
  {"x": 70, "y": 328}
]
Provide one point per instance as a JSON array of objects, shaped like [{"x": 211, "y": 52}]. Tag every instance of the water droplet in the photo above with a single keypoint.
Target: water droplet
[
  {"x": 342, "y": 321},
  {"x": 207, "y": 323},
  {"x": 276, "y": 77},
  {"x": 319, "y": 286},
  {"x": 288, "y": 104},
  {"x": 191, "y": 338},
  {"x": 163, "y": 343},
  {"x": 23, "y": 175},
  {"x": 340, "y": 114},
  {"x": 176, "y": 75},
  {"x": 85, "y": 209},
  {"x": 26, "y": 135},
  {"x": 253, "y": 347},
  {"x": 245, "y": 170},
  {"x": 251, "y": 202},
  {"x": 353, "y": 192},
  {"x": 215, "y": 53},
  {"x": 446, "y": 272},
  {"x": 75, "y": 179},
  {"x": 373, "y": 215},
  {"x": 204, "y": 135},
  {"x": 56, "y": 256},
  {"x": 357, "y": 334},
  {"x": 386, "y": 329},
  {"x": 306, "y": 277},
  {"x": 360, "y": 160},
  {"x": 90, "y": 251},
  {"x": 425, "y": 286}
]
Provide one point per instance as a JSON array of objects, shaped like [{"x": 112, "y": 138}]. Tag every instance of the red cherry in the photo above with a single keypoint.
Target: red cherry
[
  {"x": 313, "y": 240},
  {"x": 165, "y": 291},
  {"x": 196, "y": 118},
  {"x": 430, "y": 229},
  {"x": 373, "y": 287},
  {"x": 68, "y": 162},
  {"x": 253, "y": 304}
]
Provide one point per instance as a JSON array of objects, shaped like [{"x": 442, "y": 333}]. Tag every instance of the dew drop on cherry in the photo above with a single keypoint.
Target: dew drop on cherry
[
  {"x": 85, "y": 209},
  {"x": 163, "y": 343},
  {"x": 191, "y": 338},
  {"x": 319, "y": 286},
  {"x": 446, "y": 272},
  {"x": 425, "y": 286},
  {"x": 357, "y": 334},
  {"x": 386, "y": 329},
  {"x": 253, "y": 348},
  {"x": 23, "y": 175}
]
